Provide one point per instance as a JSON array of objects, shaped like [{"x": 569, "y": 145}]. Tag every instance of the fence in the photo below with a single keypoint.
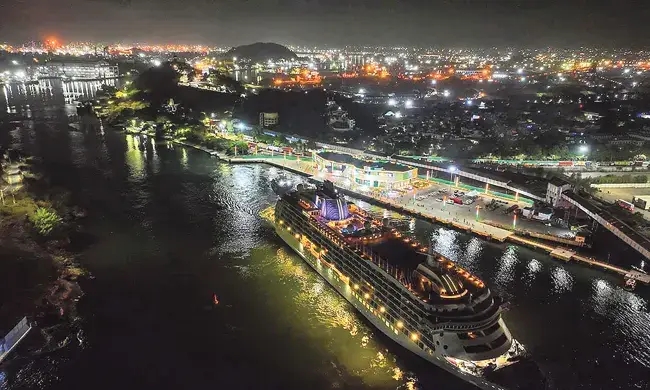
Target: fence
[{"x": 621, "y": 185}]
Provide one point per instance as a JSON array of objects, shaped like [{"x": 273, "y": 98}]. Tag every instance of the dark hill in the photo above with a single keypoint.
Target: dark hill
[{"x": 261, "y": 52}]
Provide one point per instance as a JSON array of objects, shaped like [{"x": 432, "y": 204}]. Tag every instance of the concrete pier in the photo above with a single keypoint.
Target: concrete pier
[{"x": 481, "y": 229}]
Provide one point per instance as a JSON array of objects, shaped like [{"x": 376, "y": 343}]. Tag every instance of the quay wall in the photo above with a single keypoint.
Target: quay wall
[{"x": 497, "y": 234}]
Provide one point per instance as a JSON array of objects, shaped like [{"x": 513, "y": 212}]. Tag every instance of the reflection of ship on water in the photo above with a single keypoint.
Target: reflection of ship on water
[
  {"x": 414, "y": 295},
  {"x": 338, "y": 119}
]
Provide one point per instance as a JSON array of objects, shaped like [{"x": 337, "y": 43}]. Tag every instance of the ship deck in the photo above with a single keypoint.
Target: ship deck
[{"x": 398, "y": 252}]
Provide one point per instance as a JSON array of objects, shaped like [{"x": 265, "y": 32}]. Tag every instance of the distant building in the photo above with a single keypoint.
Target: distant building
[
  {"x": 554, "y": 190},
  {"x": 268, "y": 119},
  {"x": 82, "y": 70}
]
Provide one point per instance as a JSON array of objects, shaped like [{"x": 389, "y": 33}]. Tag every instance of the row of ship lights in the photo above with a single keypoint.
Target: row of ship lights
[
  {"x": 399, "y": 324},
  {"x": 414, "y": 336},
  {"x": 423, "y": 249}
]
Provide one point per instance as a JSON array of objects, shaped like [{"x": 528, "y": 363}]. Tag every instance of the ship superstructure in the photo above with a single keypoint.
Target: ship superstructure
[{"x": 419, "y": 298}]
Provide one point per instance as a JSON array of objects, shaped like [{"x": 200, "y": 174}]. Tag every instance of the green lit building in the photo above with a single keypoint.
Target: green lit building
[{"x": 373, "y": 174}]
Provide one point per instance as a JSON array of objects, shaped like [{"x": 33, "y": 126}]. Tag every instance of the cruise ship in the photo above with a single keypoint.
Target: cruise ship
[{"x": 417, "y": 297}]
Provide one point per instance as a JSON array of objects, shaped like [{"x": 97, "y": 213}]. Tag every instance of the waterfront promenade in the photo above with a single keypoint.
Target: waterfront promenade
[{"x": 447, "y": 214}]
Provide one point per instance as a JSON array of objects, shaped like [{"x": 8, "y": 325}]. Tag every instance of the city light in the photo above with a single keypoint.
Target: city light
[
  {"x": 584, "y": 149},
  {"x": 361, "y": 91},
  {"x": 392, "y": 102},
  {"x": 408, "y": 103},
  {"x": 446, "y": 93},
  {"x": 398, "y": 114},
  {"x": 156, "y": 62}
]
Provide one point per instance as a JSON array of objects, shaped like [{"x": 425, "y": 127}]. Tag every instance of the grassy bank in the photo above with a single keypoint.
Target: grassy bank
[{"x": 38, "y": 270}]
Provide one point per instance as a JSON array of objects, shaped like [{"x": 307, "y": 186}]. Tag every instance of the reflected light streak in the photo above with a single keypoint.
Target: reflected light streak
[
  {"x": 562, "y": 280},
  {"x": 534, "y": 268},
  {"x": 444, "y": 242},
  {"x": 505, "y": 273},
  {"x": 472, "y": 252},
  {"x": 314, "y": 305}
]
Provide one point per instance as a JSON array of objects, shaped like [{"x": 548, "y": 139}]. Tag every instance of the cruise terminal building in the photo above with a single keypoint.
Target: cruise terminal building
[{"x": 373, "y": 174}]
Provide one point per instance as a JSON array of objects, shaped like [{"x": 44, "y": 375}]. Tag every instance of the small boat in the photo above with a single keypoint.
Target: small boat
[{"x": 630, "y": 284}]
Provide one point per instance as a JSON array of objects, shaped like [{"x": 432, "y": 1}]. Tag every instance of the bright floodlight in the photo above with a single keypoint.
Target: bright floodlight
[
  {"x": 361, "y": 90},
  {"x": 468, "y": 102},
  {"x": 14, "y": 62},
  {"x": 408, "y": 104},
  {"x": 452, "y": 169},
  {"x": 434, "y": 82},
  {"x": 520, "y": 70},
  {"x": 156, "y": 62},
  {"x": 583, "y": 149},
  {"x": 446, "y": 93},
  {"x": 20, "y": 74},
  {"x": 398, "y": 114},
  {"x": 392, "y": 102}
]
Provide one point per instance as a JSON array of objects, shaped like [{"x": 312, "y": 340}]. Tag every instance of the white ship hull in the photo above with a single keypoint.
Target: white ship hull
[{"x": 403, "y": 340}]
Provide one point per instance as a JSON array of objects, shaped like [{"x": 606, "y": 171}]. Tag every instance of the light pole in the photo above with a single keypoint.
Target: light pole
[
  {"x": 583, "y": 149},
  {"x": 451, "y": 170}
]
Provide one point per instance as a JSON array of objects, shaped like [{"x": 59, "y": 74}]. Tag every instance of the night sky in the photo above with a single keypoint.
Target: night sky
[{"x": 478, "y": 23}]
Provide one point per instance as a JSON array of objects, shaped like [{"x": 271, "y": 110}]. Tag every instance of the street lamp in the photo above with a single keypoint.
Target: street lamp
[
  {"x": 452, "y": 169},
  {"x": 584, "y": 149}
]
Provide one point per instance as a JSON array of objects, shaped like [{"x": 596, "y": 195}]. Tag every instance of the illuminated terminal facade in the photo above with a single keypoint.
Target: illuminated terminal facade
[
  {"x": 83, "y": 70},
  {"x": 373, "y": 174}
]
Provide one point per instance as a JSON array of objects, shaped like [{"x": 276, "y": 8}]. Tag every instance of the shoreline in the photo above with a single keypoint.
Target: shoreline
[
  {"x": 491, "y": 233},
  {"x": 43, "y": 265}
]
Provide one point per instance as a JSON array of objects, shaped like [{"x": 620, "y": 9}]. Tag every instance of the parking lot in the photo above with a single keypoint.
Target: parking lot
[
  {"x": 612, "y": 194},
  {"x": 437, "y": 199}
]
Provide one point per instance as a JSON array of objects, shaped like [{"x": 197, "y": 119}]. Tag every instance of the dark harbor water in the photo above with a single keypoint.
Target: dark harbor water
[{"x": 172, "y": 227}]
